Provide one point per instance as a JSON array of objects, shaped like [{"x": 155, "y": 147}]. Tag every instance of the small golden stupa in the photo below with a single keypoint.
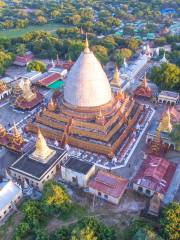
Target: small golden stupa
[
  {"x": 3, "y": 131},
  {"x": 100, "y": 118},
  {"x": 3, "y": 86},
  {"x": 116, "y": 78},
  {"x": 165, "y": 123},
  {"x": 27, "y": 92},
  {"x": 52, "y": 105},
  {"x": 17, "y": 137},
  {"x": 42, "y": 152}
]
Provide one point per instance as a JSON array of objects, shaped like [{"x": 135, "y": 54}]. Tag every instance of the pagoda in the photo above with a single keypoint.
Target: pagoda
[
  {"x": 14, "y": 141},
  {"x": 116, "y": 83},
  {"x": 89, "y": 115},
  {"x": 143, "y": 90},
  {"x": 42, "y": 152},
  {"x": 156, "y": 147},
  {"x": 165, "y": 123},
  {"x": 28, "y": 99}
]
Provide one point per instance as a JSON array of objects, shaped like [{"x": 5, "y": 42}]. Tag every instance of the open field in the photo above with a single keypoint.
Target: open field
[{"x": 12, "y": 33}]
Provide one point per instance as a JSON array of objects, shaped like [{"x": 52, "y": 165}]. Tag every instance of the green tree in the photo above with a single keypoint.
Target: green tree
[
  {"x": 55, "y": 198},
  {"x": 84, "y": 234},
  {"x": 175, "y": 135},
  {"x": 36, "y": 66},
  {"x": 120, "y": 54},
  {"x": 21, "y": 231},
  {"x": 101, "y": 53},
  {"x": 41, "y": 20},
  {"x": 21, "y": 49},
  {"x": 146, "y": 234},
  {"x": 75, "y": 49},
  {"x": 75, "y": 19},
  {"x": 133, "y": 44},
  {"x": 33, "y": 214},
  {"x": 167, "y": 76},
  {"x": 170, "y": 222}
]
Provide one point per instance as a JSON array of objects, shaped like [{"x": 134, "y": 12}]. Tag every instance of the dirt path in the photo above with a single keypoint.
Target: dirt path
[{"x": 7, "y": 231}]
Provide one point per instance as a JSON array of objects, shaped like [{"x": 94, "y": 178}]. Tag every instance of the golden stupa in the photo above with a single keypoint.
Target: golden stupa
[
  {"x": 116, "y": 78},
  {"x": 3, "y": 86},
  {"x": 42, "y": 152},
  {"x": 52, "y": 105},
  {"x": 165, "y": 123},
  {"x": 17, "y": 137},
  {"x": 3, "y": 131}
]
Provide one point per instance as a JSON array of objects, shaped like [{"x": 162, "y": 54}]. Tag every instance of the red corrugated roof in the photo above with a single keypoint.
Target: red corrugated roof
[
  {"x": 155, "y": 174},
  {"x": 49, "y": 79},
  {"x": 109, "y": 184}
]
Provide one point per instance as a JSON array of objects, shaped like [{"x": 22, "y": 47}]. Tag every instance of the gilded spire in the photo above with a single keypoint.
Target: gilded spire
[
  {"x": 86, "y": 45},
  {"x": 116, "y": 78},
  {"x": 165, "y": 123},
  {"x": 144, "y": 83},
  {"x": 42, "y": 151},
  {"x": 17, "y": 138}
]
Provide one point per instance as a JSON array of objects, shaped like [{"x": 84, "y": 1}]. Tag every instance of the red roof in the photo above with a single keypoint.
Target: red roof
[
  {"x": 49, "y": 79},
  {"x": 23, "y": 60},
  {"x": 155, "y": 174},
  {"x": 109, "y": 184}
]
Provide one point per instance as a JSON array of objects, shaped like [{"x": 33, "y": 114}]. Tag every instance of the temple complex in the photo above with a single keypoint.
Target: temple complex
[
  {"x": 29, "y": 98},
  {"x": 143, "y": 90},
  {"x": 89, "y": 115},
  {"x": 14, "y": 141}
]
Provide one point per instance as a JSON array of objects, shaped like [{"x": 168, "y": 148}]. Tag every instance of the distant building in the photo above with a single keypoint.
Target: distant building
[
  {"x": 39, "y": 165},
  {"x": 23, "y": 61},
  {"x": 108, "y": 186},
  {"x": 31, "y": 75},
  {"x": 10, "y": 195},
  {"x": 77, "y": 171},
  {"x": 154, "y": 176},
  {"x": 168, "y": 97}
]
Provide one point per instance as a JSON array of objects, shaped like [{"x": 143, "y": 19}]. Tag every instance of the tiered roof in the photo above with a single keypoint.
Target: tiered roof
[{"x": 143, "y": 90}]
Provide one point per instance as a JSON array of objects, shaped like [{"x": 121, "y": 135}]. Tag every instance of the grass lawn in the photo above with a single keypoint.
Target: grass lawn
[{"x": 12, "y": 33}]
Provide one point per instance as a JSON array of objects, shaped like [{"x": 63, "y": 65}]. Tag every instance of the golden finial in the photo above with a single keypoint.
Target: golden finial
[
  {"x": 165, "y": 123},
  {"x": 86, "y": 45},
  {"x": 42, "y": 151}
]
